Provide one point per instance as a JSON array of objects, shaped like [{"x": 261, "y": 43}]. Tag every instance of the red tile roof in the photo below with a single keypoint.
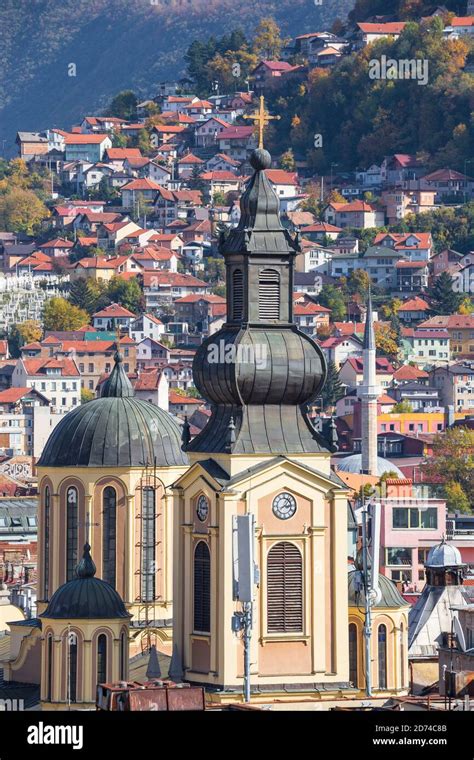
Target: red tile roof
[
  {"x": 36, "y": 367},
  {"x": 176, "y": 398},
  {"x": 309, "y": 308},
  {"x": 407, "y": 372},
  {"x": 141, "y": 184},
  {"x": 320, "y": 227},
  {"x": 123, "y": 153},
  {"x": 57, "y": 243},
  {"x": 222, "y": 176},
  {"x": 414, "y": 304},
  {"x": 174, "y": 279},
  {"x": 195, "y": 297},
  {"x": 11, "y": 395},
  {"x": 190, "y": 158},
  {"x": 280, "y": 177},
  {"x": 114, "y": 310},
  {"x": 382, "y": 365},
  {"x": 462, "y": 321},
  {"x": 79, "y": 139},
  {"x": 235, "y": 133},
  {"x": 393, "y": 27},
  {"x": 148, "y": 380}
]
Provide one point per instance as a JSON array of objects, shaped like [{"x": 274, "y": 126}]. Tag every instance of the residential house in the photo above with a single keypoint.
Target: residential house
[
  {"x": 152, "y": 385},
  {"x": 113, "y": 318},
  {"x": 199, "y": 310},
  {"x": 357, "y": 214},
  {"x": 188, "y": 165},
  {"x": 56, "y": 379},
  {"x": 425, "y": 347},
  {"x": 268, "y": 74},
  {"x": 339, "y": 348},
  {"x": 57, "y": 247},
  {"x": 399, "y": 203},
  {"x": 220, "y": 182},
  {"x": 183, "y": 406},
  {"x": 83, "y": 147},
  {"x": 31, "y": 144},
  {"x": 369, "y": 32},
  {"x": 310, "y": 316},
  {"x": 456, "y": 386},
  {"x": 319, "y": 231},
  {"x": 407, "y": 374},
  {"x": 26, "y": 421},
  {"x": 151, "y": 354},
  {"x": 112, "y": 234},
  {"x": 164, "y": 287},
  {"x": 450, "y": 185},
  {"x": 139, "y": 191},
  {"x": 401, "y": 169},
  {"x": 351, "y": 372},
  {"x": 445, "y": 261},
  {"x": 461, "y": 332},
  {"x": 116, "y": 157},
  {"x": 237, "y": 142},
  {"x": 220, "y": 162},
  {"x": 146, "y": 326},
  {"x": 98, "y": 267},
  {"x": 313, "y": 257},
  {"x": 413, "y": 310},
  {"x": 421, "y": 397},
  {"x": 411, "y": 276}
]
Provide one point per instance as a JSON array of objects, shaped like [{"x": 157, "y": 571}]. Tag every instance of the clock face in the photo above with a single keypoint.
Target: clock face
[
  {"x": 284, "y": 506},
  {"x": 202, "y": 508}
]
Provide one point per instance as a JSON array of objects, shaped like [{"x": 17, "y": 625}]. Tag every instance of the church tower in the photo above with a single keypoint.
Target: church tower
[
  {"x": 368, "y": 393},
  {"x": 259, "y": 454}
]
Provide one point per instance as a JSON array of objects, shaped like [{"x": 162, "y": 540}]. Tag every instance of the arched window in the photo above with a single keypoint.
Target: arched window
[
  {"x": 269, "y": 295},
  {"x": 382, "y": 655},
  {"x": 237, "y": 294},
  {"x": 353, "y": 643},
  {"x": 72, "y": 656},
  {"x": 102, "y": 658},
  {"x": 49, "y": 666},
  {"x": 109, "y": 534},
  {"x": 284, "y": 589},
  {"x": 47, "y": 517},
  {"x": 202, "y": 588},
  {"x": 402, "y": 655},
  {"x": 123, "y": 656},
  {"x": 71, "y": 539},
  {"x": 148, "y": 563}
]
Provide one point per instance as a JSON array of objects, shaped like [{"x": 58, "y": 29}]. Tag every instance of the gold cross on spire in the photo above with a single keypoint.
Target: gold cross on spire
[{"x": 261, "y": 117}]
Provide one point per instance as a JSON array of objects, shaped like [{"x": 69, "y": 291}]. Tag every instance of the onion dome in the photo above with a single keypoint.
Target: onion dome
[
  {"x": 115, "y": 430},
  {"x": 444, "y": 555},
  {"x": 259, "y": 371},
  {"x": 86, "y": 597}
]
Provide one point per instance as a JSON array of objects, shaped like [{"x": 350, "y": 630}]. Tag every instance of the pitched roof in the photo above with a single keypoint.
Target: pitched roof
[
  {"x": 300, "y": 309},
  {"x": 174, "y": 279},
  {"x": 444, "y": 175},
  {"x": 280, "y": 177},
  {"x": 39, "y": 366},
  {"x": 382, "y": 365},
  {"x": 176, "y": 398},
  {"x": 123, "y": 153},
  {"x": 114, "y": 310},
  {"x": 352, "y": 206},
  {"x": 148, "y": 380},
  {"x": 141, "y": 184},
  {"x": 195, "y": 297},
  {"x": 320, "y": 227},
  {"x": 414, "y": 304},
  {"x": 407, "y": 372},
  {"x": 462, "y": 321},
  {"x": 80, "y": 139},
  {"x": 221, "y": 176},
  {"x": 190, "y": 158},
  {"x": 235, "y": 133},
  {"x": 393, "y": 27},
  {"x": 11, "y": 395},
  {"x": 57, "y": 243}
]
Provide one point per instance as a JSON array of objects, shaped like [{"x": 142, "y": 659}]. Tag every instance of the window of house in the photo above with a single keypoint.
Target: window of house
[{"x": 415, "y": 517}]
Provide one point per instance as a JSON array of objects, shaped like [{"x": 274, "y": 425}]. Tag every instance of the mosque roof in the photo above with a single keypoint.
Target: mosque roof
[
  {"x": 444, "y": 555},
  {"x": 353, "y": 463},
  {"x": 390, "y": 596}
]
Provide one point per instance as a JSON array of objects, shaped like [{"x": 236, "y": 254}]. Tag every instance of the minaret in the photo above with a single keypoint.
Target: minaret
[{"x": 368, "y": 393}]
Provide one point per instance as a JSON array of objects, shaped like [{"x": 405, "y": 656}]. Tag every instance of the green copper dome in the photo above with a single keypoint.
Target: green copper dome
[{"x": 115, "y": 430}]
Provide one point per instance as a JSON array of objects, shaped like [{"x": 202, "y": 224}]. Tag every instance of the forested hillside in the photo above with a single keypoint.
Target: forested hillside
[{"x": 115, "y": 45}]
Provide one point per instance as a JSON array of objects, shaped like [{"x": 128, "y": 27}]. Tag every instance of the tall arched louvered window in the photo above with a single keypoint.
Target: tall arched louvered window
[
  {"x": 109, "y": 535},
  {"x": 237, "y": 294},
  {"x": 148, "y": 563},
  {"x": 72, "y": 654},
  {"x": 49, "y": 667},
  {"x": 202, "y": 588},
  {"x": 71, "y": 538},
  {"x": 353, "y": 643},
  {"x": 284, "y": 589},
  {"x": 102, "y": 658},
  {"x": 46, "y": 529},
  {"x": 382, "y": 655},
  {"x": 268, "y": 295}
]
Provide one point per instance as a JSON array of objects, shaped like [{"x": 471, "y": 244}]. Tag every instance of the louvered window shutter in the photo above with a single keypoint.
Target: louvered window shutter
[
  {"x": 284, "y": 589},
  {"x": 202, "y": 588},
  {"x": 237, "y": 294},
  {"x": 269, "y": 295}
]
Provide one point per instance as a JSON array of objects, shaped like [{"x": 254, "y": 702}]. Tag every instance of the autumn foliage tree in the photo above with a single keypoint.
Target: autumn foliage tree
[
  {"x": 60, "y": 314},
  {"x": 452, "y": 464}
]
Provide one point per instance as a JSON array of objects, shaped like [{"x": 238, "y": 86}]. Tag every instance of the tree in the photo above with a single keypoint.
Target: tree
[
  {"x": 86, "y": 395},
  {"x": 123, "y": 105},
  {"x": 456, "y": 498},
  {"x": 287, "y": 161},
  {"x": 402, "y": 407},
  {"x": 128, "y": 293},
  {"x": 22, "y": 333},
  {"x": 214, "y": 269},
  {"x": 333, "y": 389},
  {"x": 358, "y": 283},
  {"x": 60, "y": 314},
  {"x": 446, "y": 301},
  {"x": 386, "y": 340},
  {"x": 332, "y": 298},
  {"x": 21, "y": 211},
  {"x": 82, "y": 296},
  {"x": 452, "y": 462},
  {"x": 267, "y": 43}
]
